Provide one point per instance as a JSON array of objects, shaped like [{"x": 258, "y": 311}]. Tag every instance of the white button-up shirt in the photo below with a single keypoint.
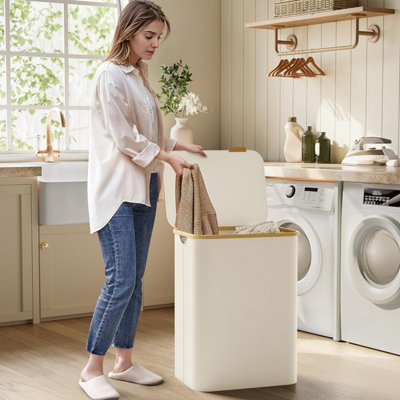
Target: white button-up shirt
[{"x": 121, "y": 149}]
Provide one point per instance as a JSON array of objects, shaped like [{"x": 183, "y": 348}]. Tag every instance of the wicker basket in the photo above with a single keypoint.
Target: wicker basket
[{"x": 285, "y": 8}]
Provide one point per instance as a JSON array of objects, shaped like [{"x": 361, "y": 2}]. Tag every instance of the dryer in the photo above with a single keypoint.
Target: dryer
[
  {"x": 313, "y": 209},
  {"x": 370, "y": 266}
]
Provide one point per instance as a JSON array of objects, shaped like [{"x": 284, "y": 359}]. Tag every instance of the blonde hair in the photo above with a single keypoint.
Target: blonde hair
[{"x": 134, "y": 17}]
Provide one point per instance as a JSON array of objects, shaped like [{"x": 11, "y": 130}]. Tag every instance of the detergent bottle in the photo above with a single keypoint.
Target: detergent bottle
[
  {"x": 308, "y": 139},
  {"x": 293, "y": 143},
  {"x": 322, "y": 149}
]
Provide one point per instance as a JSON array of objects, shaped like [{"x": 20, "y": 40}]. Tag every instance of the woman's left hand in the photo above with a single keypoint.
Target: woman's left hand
[{"x": 192, "y": 148}]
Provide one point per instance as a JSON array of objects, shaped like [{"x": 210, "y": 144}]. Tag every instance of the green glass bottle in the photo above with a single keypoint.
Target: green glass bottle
[
  {"x": 323, "y": 149},
  {"x": 308, "y": 146}
]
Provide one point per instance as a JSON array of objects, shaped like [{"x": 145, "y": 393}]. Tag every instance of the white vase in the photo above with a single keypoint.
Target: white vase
[{"x": 181, "y": 131}]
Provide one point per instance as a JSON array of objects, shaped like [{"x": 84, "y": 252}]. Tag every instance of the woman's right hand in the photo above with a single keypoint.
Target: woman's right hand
[{"x": 177, "y": 163}]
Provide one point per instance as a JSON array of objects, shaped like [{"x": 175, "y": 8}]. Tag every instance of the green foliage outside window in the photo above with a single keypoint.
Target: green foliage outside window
[
  {"x": 2, "y": 32},
  {"x": 92, "y": 33},
  {"x": 39, "y": 81}
]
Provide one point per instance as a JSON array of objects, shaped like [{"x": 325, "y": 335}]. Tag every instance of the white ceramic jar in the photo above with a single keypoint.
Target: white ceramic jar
[{"x": 181, "y": 131}]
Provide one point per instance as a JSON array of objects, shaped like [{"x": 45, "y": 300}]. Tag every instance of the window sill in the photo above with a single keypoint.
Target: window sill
[{"x": 30, "y": 157}]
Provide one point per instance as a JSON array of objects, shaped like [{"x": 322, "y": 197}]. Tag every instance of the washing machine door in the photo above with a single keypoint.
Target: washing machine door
[
  {"x": 374, "y": 259},
  {"x": 309, "y": 249}
]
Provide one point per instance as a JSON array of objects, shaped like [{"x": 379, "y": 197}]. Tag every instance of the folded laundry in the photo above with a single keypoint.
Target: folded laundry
[
  {"x": 261, "y": 227},
  {"x": 194, "y": 211}
]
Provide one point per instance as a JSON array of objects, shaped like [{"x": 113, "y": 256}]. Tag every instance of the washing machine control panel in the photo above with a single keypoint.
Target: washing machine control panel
[
  {"x": 301, "y": 195},
  {"x": 382, "y": 197}
]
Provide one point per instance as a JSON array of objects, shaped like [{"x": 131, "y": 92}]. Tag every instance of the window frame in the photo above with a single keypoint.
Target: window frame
[{"x": 10, "y": 154}]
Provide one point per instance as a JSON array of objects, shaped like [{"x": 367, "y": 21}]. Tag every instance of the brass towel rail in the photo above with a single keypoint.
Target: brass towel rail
[
  {"x": 373, "y": 33},
  {"x": 348, "y": 14}
]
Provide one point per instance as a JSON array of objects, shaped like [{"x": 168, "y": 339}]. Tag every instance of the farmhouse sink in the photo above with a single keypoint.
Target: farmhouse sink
[{"x": 63, "y": 193}]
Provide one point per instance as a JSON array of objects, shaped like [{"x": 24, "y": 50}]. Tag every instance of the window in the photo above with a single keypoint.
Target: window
[{"x": 49, "y": 52}]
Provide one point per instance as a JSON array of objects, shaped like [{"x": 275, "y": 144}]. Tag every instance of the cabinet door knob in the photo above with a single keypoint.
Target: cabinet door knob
[{"x": 44, "y": 245}]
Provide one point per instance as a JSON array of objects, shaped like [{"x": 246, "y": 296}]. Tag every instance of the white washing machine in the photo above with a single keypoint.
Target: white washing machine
[
  {"x": 313, "y": 209},
  {"x": 370, "y": 276}
]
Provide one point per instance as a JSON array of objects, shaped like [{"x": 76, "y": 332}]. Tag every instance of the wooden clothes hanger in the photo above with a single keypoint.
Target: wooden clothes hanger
[
  {"x": 281, "y": 64},
  {"x": 305, "y": 70},
  {"x": 281, "y": 67},
  {"x": 289, "y": 65},
  {"x": 296, "y": 67},
  {"x": 310, "y": 60},
  {"x": 302, "y": 69}
]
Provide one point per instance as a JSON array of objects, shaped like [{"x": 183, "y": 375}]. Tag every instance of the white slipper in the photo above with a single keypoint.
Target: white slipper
[
  {"x": 99, "y": 388},
  {"x": 137, "y": 374}
]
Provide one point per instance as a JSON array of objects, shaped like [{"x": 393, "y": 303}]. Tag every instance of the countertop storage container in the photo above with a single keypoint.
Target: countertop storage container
[{"x": 235, "y": 295}]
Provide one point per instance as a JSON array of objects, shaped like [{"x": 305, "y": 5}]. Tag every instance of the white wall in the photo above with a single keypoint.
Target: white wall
[
  {"x": 195, "y": 38},
  {"x": 359, "y": 96}
]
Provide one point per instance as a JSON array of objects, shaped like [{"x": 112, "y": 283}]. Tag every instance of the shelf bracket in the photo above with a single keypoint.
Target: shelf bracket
[
  {"x": 373, "y": 33},
  {"x": 290, "y": 42}
]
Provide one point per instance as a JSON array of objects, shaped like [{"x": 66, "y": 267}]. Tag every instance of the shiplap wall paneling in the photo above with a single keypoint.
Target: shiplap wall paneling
[
  {"x": 273, "y": 95},
  {"x": 237, "y": 62},
  {"x": 391, "y": 74},
  {"x": 249, "y": 78},
  {"x": 358, "y": 87},
  {"x": 358, "y": 96},
  {"x": 299, "y": 85},
  {"x": 328, "y": 84},
  {"x": 313, "y": 85},
  {"x": 261, "y": 82},
  {"x": 343, "y": 94},
  {"x": 286, "y": 101},
  {"x": 374, "y": 83},
  {"x": 226, "y": 73}
]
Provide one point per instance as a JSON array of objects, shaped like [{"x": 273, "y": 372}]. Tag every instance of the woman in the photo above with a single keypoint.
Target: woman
[{"x": 125, "y": 171}]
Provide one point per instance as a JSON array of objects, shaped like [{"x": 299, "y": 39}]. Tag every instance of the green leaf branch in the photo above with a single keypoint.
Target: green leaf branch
[{"x": 174, "y": 85}]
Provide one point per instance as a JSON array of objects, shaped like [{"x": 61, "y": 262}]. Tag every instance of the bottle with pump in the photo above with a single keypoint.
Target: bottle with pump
[
  {"x": 308, "y": 146},
  {"x": 292, "y": 147},
  {"x": 323, "y": 149}
]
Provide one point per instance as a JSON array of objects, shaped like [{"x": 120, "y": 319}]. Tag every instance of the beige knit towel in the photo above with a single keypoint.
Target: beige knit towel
[
  {"x": 261, "y": 227},
  {"x": 194, "y": 211}
]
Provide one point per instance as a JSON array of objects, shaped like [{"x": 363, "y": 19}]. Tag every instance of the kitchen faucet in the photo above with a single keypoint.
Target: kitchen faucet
[{"x": 49, "y": 153}]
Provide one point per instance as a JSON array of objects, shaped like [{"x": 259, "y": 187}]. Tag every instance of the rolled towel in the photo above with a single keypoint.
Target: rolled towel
[{"x": 261, "y": 227}]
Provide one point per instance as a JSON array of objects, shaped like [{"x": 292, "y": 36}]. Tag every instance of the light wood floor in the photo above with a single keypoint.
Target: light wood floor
[{"x": 43, "y": 362}]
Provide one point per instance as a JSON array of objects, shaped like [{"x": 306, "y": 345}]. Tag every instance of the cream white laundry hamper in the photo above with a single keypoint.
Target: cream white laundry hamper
[{"x": 235, "y": 295}]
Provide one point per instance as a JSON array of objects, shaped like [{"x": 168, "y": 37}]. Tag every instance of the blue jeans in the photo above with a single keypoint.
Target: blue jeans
[{"x": 125, "y": 242}]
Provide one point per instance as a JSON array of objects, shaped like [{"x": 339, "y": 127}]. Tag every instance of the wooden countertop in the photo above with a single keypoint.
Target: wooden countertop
[
  {"x": 19, "y": 170},
  {"x": 333, "y": 172},
  {"x": 282, "y": 170}
]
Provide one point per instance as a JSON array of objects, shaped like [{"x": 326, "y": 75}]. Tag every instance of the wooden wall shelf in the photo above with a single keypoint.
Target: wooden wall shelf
[
  {"x": 321, "y": 18},
  {"x": 346, "y": 14}
]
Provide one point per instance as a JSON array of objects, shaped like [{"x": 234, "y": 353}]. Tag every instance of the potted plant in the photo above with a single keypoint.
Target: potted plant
[{"x": 177, "y": 99}]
